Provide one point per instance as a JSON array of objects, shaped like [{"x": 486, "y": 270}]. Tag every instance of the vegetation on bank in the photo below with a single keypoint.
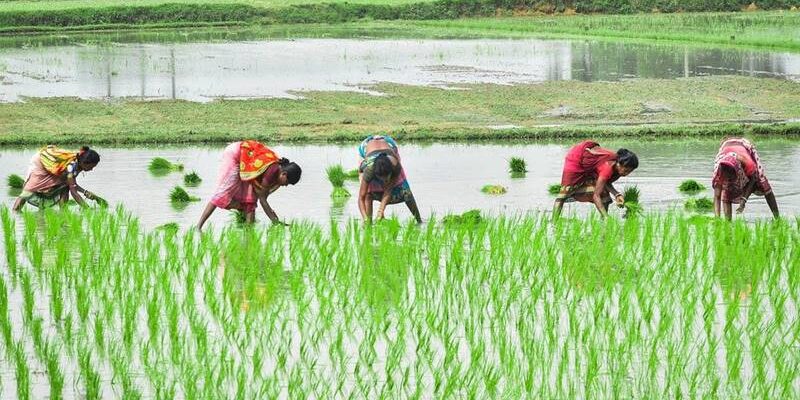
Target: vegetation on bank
[
  {"x": 700, "y": 106},
  {"x": 37, "y": 16}
]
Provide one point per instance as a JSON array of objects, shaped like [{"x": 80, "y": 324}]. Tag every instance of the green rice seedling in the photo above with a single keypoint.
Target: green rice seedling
[
  {"x": 192, "y": 179},
  {"x": 22, "y": 372},
  {"x": 471, "y": 217},
  {"x": 15, "y": 181},
  {"x": 161, "y": 166},
  {"x": 352, "y": 174},
  {"x": 494, "y": 189},
  {"x": 700, "y": 204},
  {"x": 631, "y": 201},
  {"x": 691, "y": 186},
  {"x": 169, "y": 227},
  {"x": 337, "y": 176},
  {"x": 517, "y": 167},
  {"x": 554, "y": 189},
  {"x": 179, "y": 195}
]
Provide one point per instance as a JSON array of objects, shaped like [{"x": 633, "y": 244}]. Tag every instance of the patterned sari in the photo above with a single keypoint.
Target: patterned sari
[
  {"x": 733, "y": 189},
  {"x": 401, "y": 191},
  {"x": 582, "y": 169},
  {"x": 48, "y": 174},
  {"x": 242, "y": 163}
]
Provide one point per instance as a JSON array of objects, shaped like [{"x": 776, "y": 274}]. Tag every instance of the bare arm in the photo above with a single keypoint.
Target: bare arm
[
  {"x": 773, "y": 204},
  {"x": 210, "y": 207},
  {"x": 616, "y": 194},
  {"x": 748, "y": 190},
  {"x": 74, "y": 189},
  {"x": 717, "y": 201},
  {"x": 364, "y": 200},
  {"x": 597, "y": 197},
  {"x": 268, "y": 209}
]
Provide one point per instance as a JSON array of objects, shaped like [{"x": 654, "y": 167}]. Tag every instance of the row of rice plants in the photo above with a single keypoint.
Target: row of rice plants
[{"x": 654, "y": 306}]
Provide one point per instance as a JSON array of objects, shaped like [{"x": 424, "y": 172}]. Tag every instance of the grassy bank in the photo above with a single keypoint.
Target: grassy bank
[
  {"x": 774, "y": 30},
  {"x": 554, "y": 109},
  {"x": 458, "y": 308}
]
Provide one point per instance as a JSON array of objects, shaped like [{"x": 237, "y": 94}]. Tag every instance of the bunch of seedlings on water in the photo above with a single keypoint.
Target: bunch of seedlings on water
[
  {"x": 192, "y": 179},
  {"x": 699, "y": 204},
  {"x": 471, "y": 217},
  {"x": 160, "y": 166},
  {"x": 337, "y": 176},
  {"x": 554, "y": 189},
  {"x": 353, "y": 174},
  {"x": 15, "y": 181},
  {"x": 517, "y": 167},
  {"x": 691, "y": 186},
  {"x": 494, "y": 189},
  {"x": 179, "y": 195}
]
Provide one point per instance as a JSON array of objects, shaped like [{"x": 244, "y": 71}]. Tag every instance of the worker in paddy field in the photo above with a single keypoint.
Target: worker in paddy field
[
  {"x": 52, "y": 177},
  {"x": 382, "y": 178},
  {"x": 738, "y": 173},
  {"x": 249, "y": 173},
  {"x": 589, "y": 173}
]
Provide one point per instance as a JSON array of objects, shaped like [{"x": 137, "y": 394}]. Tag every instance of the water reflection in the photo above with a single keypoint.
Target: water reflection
[{"x": 281, "y": 68}]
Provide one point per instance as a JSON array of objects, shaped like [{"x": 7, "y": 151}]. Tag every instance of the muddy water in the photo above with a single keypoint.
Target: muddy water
[
  {"x": 280, "y": 68},
  {"x": 445, "y": 177}
]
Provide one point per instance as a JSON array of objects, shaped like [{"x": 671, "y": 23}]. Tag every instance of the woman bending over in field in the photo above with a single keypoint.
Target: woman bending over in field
[
  {"x": 738, "y": 173},
  {"x": 52, "y": 177},
  {"x": 382, "y": 178},
  {"x": 249, "y": 173},
  {"x": 589, "y": 171}
]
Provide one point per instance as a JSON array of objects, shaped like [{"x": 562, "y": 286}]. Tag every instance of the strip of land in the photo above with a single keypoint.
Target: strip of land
[{"x": 645, "y": 107}]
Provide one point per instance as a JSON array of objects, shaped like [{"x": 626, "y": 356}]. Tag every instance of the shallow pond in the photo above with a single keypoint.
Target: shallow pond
[
  {"x": 445, "y": 177},
  {"x": 204, "y": 71}
]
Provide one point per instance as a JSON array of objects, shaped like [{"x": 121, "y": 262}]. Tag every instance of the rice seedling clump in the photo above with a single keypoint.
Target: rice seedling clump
[
  {"x": 554, "y": 189},
  {"x": 161, "y": 166},
  {"x": 15, "y": 181},
  {"x": 337, "y": 176},
  {"x": 691, "y": 186},
  {"x": 471, "y": 217},
  {"x": 352, "y": 174},
  {"x": 192, "y": 179},
  {"x": 517, "y": 165},
  {"x": 179, "y": 195},
  {"x": 700, "y": 204},
  {"x": 494, "y": 189}
]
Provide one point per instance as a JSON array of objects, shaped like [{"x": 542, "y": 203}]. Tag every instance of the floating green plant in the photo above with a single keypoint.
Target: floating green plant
[
  {"x": 179, "y": 195},
  {"x": 337, "y": 176},
  {"x": 161, "y": 166},
  {"x": 494, "y": 189},
  {"x": 192, "y": 179},
  {"x": 15, "y": 181},
  {"x": 554, "y": 189},
  {"x": 691, "y": 186},
  {"x": 699, "y": 204},
  {"x": 517, "y": 167}
]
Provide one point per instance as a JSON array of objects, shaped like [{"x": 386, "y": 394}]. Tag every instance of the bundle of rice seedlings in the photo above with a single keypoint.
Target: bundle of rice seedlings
[
  {"x": 15, "y": 181},
  {"x": 179, "y": 195},
  {"x": 690, "y": 186},
  {"x": 337, "y": 176},
  {"x": 700, "y": 204},
  {"x": 162, "y": 166},
  {"x": 192, "y": 179},
  {"x": 554, "y": 189},
  {"x": 517, "y": 166},
  {"x": 494, "y": 189}
]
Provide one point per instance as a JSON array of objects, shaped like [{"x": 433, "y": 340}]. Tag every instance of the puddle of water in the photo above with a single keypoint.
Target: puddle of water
[
  {"x": 280, "y": 68},
  {"x": 445, "y": 177}
]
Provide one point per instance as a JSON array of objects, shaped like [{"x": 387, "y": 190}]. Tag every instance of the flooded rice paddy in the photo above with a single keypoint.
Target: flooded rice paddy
[
  {"x": 205, "y": 71},
  {"x": 445, "y": 178}
]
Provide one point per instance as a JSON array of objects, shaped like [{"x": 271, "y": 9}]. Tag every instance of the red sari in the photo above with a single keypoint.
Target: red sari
[
  {"x": 582, "y": 169},
  {"x": 741, "y": 156}
]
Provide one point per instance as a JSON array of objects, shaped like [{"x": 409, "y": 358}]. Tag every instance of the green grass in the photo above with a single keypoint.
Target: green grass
[
  {"x": 15, "y": 181},
  {"x": 494, "y": 189},
  {"x": 500, "y": 308},
  {"x": 702, "y": 106},
  {"x": 690, "y": 186}
]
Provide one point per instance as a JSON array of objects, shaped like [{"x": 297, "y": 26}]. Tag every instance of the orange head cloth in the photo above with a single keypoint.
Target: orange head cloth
[{"x": 255, "y": 158}]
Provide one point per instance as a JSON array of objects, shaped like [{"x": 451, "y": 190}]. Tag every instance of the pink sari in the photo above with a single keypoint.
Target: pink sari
[{"x": 733, "y": 190}]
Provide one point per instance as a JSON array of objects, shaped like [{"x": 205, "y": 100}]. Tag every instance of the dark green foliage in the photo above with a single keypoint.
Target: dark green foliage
[
  {"x": 161, "y": 166},
  {"x": 344, "y": 12},
  {"x": 336, "y": 175},
  {"x": 631, "y": 194},
  {"x": 554, "y": 189},
  {"x": 15, "y": 181},
  {"x": 192, "y": 179},
  {"x": 700, "y": 204},
  {"x": 517, "y": 165},
  {"x": 179, "y": 195},
  {"x": 352, "y": 174},
  {"x": 690, "y": 186}
]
